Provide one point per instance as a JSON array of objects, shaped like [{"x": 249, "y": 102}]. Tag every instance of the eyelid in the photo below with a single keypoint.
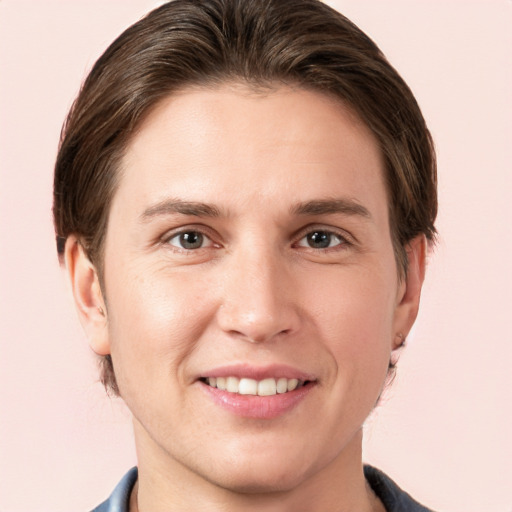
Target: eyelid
[
  {"x": 343, "y": 234},
  {"x": 338, "y": 240},
  {"x": 191, "y": 228},
  {"x": 347, "y": 238}
]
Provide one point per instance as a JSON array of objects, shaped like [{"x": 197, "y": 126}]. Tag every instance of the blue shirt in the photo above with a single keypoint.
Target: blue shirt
[{"x": 393, "y": 498}]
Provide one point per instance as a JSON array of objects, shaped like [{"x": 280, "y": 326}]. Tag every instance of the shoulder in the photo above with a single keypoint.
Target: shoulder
[
  {"x": 120, "y": 498},
  {"x": 393, "y": 498}
]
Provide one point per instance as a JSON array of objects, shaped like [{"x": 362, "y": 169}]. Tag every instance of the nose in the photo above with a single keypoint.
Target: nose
[{"x": 259, "y": 300}]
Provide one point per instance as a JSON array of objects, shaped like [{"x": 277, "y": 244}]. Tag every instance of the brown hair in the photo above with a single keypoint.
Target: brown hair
[{"x": 258, "y": 42}]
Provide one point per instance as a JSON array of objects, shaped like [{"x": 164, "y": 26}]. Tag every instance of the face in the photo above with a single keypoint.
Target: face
[{"x": 251, "y": 289}]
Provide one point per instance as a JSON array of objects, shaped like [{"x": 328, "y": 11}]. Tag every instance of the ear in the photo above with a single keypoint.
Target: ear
[
  {"x": 87, "y": 294},
  {"x": 409, "y": 290}
]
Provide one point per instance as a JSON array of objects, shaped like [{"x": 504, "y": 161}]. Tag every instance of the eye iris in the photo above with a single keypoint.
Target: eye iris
[
  {"x": 191, "y": 240},
  {"x": 319, "y": 239}
]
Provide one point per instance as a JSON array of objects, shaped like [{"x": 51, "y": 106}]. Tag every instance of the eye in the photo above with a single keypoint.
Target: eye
[
  {"x": 190, "y": 240},
  {"x": 321, "y": 239}
]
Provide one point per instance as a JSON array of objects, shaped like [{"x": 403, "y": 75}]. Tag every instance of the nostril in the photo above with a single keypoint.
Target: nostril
[
  {"x": 254, "y": 320},
  {"x": 263, "y": 337}
]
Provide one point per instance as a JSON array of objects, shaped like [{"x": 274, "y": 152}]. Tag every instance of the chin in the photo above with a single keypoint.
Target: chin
[
  {"x": 268, "y": 462},
  {"x": 253, "y": 473},
  {"x": 248, "y": 482}
]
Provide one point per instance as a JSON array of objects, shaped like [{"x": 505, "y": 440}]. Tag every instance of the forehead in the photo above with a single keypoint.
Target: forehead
[{"x": 233, "y": 144}]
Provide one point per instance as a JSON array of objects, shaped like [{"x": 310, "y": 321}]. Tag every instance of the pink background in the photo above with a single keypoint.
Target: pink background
[{"x": 444, "y": 430}]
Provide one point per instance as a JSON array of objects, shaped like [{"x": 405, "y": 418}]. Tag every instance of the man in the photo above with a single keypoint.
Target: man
[{"x": 244, "y": 195}]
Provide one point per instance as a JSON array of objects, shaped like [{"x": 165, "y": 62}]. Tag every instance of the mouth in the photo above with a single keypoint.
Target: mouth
[
  {"x": 257, "y": 392},
  {"x": 246, "y": 386}
]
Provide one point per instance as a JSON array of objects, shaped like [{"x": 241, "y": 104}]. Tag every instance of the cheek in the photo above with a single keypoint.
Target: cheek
[
  {"x": 353, "y": 317},
  {"x": 154, "y": 320},
  {"x": 354, "y": 312}
]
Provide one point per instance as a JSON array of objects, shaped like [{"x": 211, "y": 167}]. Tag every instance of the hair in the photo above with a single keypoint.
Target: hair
[{"x": 261, "y": 43}]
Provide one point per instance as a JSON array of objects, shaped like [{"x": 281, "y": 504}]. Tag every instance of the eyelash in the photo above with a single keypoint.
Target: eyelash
[
  {"x": 344, "y": 239},
  {"x": 166, "y": 240}
]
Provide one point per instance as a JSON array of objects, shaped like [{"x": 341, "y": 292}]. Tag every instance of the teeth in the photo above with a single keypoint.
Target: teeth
[
  {"x": 292, "y": 384},
  {"x": 282, "y": 385},
  {"x": 232, "y": 384},
  {"x": 248, "y": 387},
  {"x": 244, "y": 386},
  {"x": 267, "y": 387}
]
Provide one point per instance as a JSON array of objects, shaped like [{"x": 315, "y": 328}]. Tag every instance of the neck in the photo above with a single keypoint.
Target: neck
[{"x": 340, "y": 486}]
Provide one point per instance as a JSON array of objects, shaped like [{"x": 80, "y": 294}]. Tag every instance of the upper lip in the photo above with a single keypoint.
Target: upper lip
[{"x": 249, "y": 371}]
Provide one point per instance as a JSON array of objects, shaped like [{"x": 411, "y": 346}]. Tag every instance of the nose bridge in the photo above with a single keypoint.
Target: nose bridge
[{"x": 257, "y": 303}]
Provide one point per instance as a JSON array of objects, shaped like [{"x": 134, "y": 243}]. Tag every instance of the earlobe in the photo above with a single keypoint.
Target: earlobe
[
  {"x": 87, "y": 294},
  {"x": 408, "y": 299}
]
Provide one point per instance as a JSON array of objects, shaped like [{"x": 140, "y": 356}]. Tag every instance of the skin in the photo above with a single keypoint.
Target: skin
[{"x": 255, "y": 293}]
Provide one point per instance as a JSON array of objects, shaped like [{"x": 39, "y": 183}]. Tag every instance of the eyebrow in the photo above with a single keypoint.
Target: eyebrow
[
  {"x": 344, "y": 206},
  {"x": 314, "y": 207},
  {"x": 170, "y": 206}
]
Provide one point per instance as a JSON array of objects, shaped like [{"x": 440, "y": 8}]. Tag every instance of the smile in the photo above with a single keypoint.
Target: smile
[{"x": 246, "y": 386}]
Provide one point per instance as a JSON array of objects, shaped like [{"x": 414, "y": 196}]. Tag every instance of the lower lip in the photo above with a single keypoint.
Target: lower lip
[{"x": 258, "y": 407}]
